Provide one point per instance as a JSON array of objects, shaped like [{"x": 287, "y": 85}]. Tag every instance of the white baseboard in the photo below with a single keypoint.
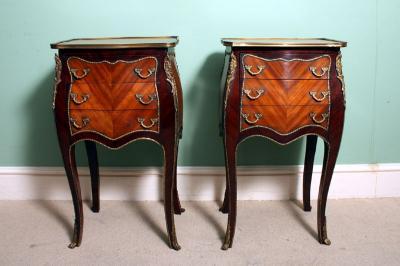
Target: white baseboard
[{"x": 201, "y": 183}]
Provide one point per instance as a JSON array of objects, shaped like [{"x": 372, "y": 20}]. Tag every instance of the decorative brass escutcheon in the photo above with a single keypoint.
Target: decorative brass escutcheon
[
  {"x": 85, "y": 122},
  {"x": 322, "y": 72},
  {"x": 260, "y": 69},
  {"x": 315, "y": 120},
  {"x": 248, "y": 93},
  {"x": 74, "y": 97},
  {"x": 153, "y": 122},
  {"x": 323, "y": 93},
  {"x": 251, "y": 122},
  {"x": 150, "y": 72},
  {"x": 75, "y": 72},
  {"x": 151, "y": 97}
]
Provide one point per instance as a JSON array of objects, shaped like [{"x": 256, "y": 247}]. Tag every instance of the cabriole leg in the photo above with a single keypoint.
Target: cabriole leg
[
  {"x": 169, "y": 178},
  {"x": 68, "y": 154},
  {"x": 232, "y": 193},
  {"x": 330, "y": 156}
]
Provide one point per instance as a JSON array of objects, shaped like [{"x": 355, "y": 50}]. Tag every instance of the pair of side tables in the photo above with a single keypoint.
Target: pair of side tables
[{"x": 114, "y": 91}]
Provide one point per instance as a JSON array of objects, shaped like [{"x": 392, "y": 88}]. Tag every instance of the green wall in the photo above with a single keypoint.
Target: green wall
[{"x": 371, "y": 69}]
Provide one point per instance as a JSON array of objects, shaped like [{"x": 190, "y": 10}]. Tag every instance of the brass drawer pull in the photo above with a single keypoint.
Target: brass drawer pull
[
  {"x": 248, "y": 121},
  {"x": 77, "y": 76},
  {"x": 323, "y": 93},
  {"x": 260, "y": 69},
  {"x": 316, "y": 121},
  {"x": 323, "y": 72},
  {"x": 248, "y": 93},
  {"x": 152, "y": 97},
  {"x": 74, "y": 97},
  {"x": 153, "y": 122},
  {"x": 85, "y": 122},
  {"x": 150, "y": 72}
]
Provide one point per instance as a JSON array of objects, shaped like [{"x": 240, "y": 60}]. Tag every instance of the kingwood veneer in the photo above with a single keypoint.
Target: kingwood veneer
[
  {"x": 115, "y": 91},
  {"x": 282, "y": 89}
]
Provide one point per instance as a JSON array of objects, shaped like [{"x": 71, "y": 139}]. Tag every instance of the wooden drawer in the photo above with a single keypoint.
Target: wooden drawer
[
  {"x": 285, "y": 92},
  {"x": 113, "y": 124},
  {"x": 93, "y": 96},
  {"x": 135, "y": 120},
  {"x": 119, "y": 96},
  {"x": 255, "y": 67},
  {"x": 140, "y": 70},
  {"x": 91, "y": 120},
  {"x": 284, "y": 119},
  {"x": 83, "y": 71},
  {"x": 128, "y": 96}
]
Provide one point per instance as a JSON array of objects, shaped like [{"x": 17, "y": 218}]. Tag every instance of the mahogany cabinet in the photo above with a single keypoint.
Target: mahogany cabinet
[
  {"x": 283, "y": 89},
  {"x": 114, "y": 91}
]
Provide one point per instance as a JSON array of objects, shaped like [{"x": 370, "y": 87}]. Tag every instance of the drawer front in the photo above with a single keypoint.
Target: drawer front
[
  {"x": 134, "y": 120},
  {"x": 113, "y": 124},
  {"x": 128, "y": 96},
  {"x": 285, "y": 92},
  {"x": 255, "y": 67},
  {"x": 266, "y": 116},
  {"x": 284, "y": 119},
  {"x": 83, "y": 71},
  {"x": 94, "y": 96},
  {"x": 91, "y": 120},
  {"x": 140, "y": 70},
  {"x": 263, "y": 92}
]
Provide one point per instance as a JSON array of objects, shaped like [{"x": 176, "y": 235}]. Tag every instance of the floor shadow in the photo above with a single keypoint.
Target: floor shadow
[
  {"x": 149, "y": 221},
  {"x": 50, "y": 207},
  {"x": 219, "y": 230},
  {"x": 293, "y": 207}
]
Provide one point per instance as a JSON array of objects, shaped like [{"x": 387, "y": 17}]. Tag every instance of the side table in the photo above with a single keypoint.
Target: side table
[
  {"x": 113, "y": 91},
  {"x": 283, "y": 89}
]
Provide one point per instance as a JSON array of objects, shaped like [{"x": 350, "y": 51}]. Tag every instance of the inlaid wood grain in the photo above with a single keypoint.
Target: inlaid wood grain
[
  {"x": 140, "y": 70},
  {"x": 284, "y": 119},
  {"x": 114, "y": 124},
  {"x": 123, "y": 72},
  {"x": 98, "y": 72},
  {"x": 113, "y": 86},
  {"x": 299, "y": 116},
  {"x": 126, "y": 96},
  {"x": 99, "y": 121},
  {"x": 283, "y": 69},
  {"x": 273, "y": 93},
  {"x": 301, "y": 92},
  {"x": 272, "y": 117},
  {"x": 94, "y": 96},
  {"x": 285, "y": 92},
  {"x": 127, "y": 121}
]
